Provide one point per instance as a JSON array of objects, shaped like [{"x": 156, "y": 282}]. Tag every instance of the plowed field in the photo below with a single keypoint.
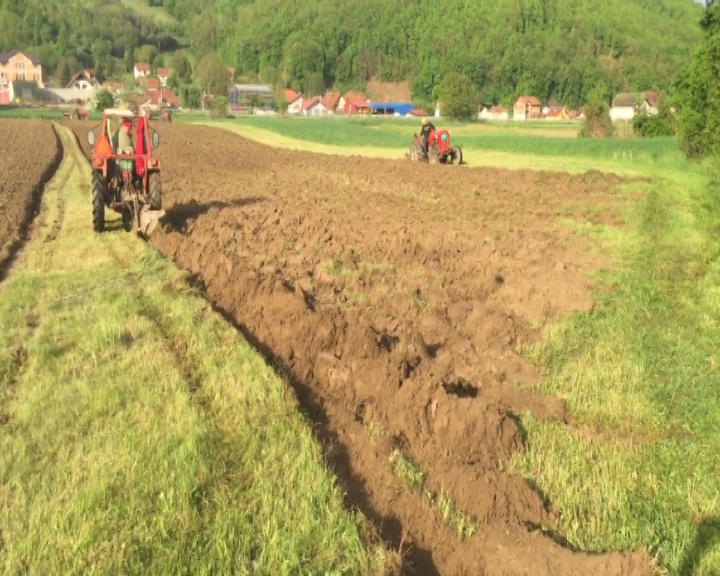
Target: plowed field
[
  {"x": 29, "y": 155},
  {"x": 398, "y": 298}
]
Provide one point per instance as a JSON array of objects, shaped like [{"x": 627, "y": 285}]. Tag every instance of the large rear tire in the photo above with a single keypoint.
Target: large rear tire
[
  {"x": 98, "y": 201},
  {"x": 155, "y": 190}
]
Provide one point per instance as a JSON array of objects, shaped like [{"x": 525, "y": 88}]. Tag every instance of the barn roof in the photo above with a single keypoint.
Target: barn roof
[{"x": 532, "y": 100}]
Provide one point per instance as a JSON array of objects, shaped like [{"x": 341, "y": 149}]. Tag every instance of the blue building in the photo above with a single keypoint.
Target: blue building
[{"x": 402, "y": 108}]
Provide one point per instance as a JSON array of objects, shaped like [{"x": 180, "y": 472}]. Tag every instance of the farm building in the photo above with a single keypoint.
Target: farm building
[
  {"x": 251, "y": 95},
  {"x": 493, "y": 113},
  {"x": 313, "y": 107},
  {"x": 625, "y": 104},
  {"x": 83, "y": 80},
  {"x": 294, "y": 101},
  {"x": 354, "y": 103},
  {"x": 141, "y": 70},
  {"x": 331, "y": 101},
  {"x": 391, "y": 108},
  {"x": 526, "y": 108},
  {"x": 163, "y": 75}
]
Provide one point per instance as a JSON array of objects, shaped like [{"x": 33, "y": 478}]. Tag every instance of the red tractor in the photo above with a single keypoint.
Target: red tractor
[
  {"x": 440, "y": 151},
  {"x": 129, "y": 184}
]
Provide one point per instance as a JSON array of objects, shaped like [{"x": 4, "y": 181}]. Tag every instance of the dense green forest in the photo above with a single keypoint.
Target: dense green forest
[{"x": 555, "y": 49}]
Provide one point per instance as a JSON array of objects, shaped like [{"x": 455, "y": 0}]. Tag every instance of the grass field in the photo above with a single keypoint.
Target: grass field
[
  {"x": 639, "y": 466},
  {"x": 120, "y": 385}
]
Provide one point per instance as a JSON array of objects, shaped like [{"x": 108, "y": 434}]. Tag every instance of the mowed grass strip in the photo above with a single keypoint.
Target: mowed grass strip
[
  {"x": 499, "y": 148},
  {"x": 140, "y": 434},
  {"x": 641, "y": 374}
]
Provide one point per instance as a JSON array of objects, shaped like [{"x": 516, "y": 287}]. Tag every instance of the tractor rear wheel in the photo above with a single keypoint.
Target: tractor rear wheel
[
  {"x": 155, "y": 190},
  {"x": 98, "y": 201}
]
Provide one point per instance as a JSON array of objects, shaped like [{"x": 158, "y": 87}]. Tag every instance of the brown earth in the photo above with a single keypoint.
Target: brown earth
[
  {"x": 30, "y": 152},
  {"x": 398, "y": 297}
]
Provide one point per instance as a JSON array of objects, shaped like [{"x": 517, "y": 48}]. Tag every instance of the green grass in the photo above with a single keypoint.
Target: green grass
[
  {"x": 140, "y": 433},
  {"x": 397, "y": 133},
  {"x": 642, "y": 373}
]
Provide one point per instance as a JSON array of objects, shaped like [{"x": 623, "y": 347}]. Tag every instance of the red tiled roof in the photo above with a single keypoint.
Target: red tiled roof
[
  {"x": 358, "y": 102},
  {"x": 528, "y": 100},
  {"x": 291, "y": 95},
  {"x": 163, "y": 72},
  {"x": 151, "y": 83},
  {"x": 142, "y": 66},
  {"x": 355, "y": 96},
  {"x": 310, "y": 102},
  {"x": 498, "y": 109},
  {"x": 331, "y": 100}
]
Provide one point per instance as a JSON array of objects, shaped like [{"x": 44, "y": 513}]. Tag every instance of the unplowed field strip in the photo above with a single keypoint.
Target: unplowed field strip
[{"x": 399, "y": 298}]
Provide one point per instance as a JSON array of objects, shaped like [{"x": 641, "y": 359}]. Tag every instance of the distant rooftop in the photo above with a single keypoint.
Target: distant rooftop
[{"x": 257, "y": 88}]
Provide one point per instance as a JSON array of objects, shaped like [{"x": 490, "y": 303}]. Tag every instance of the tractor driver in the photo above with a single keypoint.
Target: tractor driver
[
  {"x": 427, "y": 127},
  {"x": 125, "y": 145}
]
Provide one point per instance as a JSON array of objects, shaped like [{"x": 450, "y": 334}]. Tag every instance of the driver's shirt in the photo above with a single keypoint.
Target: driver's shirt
[{"x": 426, "y": 129}]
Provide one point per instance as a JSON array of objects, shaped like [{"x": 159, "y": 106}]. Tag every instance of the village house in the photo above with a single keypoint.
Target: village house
[
  {"x": 141, "y": 70},
  {"x": 83, "y": 80},
  {"x": 17, "y": 66},
  {"x": 495, "y": 112},
  {"x": 314, "y": 107},
  {"x": 527, "y": 108},
  {"x": 626, "y": 104},
  {"x": 557, "y": 113},
  {"x": 163, "y": 74},
  {"x": 331, "y": 101},
  {"x": 354, "y": 103},
  {"x": 294, "y": 101},
  {"x": 150, "y": 84}
]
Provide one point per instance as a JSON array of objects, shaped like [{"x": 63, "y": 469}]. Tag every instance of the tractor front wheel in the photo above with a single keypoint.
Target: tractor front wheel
[
  {"x": 457, "y": 155},
  {"x": 98, "y": 201},
  {"x": 155, "y": 190}
]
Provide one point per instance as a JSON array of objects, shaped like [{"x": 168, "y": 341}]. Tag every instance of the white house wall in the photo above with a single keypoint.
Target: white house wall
[{"x": 622, "y": 113}]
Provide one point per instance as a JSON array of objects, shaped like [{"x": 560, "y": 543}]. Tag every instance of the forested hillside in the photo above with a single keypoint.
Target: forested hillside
[
  {"x": 70, "y": 34},
  {"x": 557, "y": 49},
  {"x": 552, "y": 48}
]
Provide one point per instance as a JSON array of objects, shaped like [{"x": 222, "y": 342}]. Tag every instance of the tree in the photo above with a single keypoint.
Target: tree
[
  {"x": 458, "y": 95},
  {"x": 103, "y": 100},
  {"x": 181, "y": 66},
  {"x": 698, "y": 91},
  {"x": 661, "y": 124},
  {"x": 212, "y": 75},
  {"x": 598, "y": 123},
  {"x": 280, "y": 101}
]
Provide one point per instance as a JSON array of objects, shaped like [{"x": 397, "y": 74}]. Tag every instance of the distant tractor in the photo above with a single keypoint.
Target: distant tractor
[
  {"x": 77, "y": 114},
  {"x": 127, "y": 183},
  {"x": 440, "y": 150}
]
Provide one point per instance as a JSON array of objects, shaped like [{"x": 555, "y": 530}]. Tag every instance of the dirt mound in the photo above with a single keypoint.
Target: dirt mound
[
  {"x": 31, "y": 153},
  {"x": 398, "y": 297}
]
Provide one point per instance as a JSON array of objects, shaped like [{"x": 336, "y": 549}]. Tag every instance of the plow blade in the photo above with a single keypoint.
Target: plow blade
[{"x": 148, "y": 221}]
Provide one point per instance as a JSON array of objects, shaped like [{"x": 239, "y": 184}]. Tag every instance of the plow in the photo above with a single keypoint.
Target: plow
[
  {"x": 127, "y": 183},
  {"x": 440, "y": 149}
]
